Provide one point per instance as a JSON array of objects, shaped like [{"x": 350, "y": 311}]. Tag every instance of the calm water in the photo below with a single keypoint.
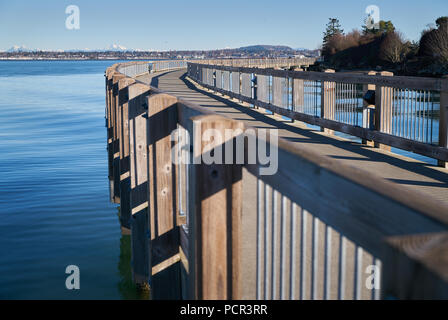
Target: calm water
[{"x": 54, "y": 197}]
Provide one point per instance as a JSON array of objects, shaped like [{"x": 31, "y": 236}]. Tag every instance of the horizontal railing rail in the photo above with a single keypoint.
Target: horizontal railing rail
[
  {"x": 400, "y": 112},
  {"x": 261, "y": 63},
  {"x": 136, "y": 68},
  {"x": 315, "y": 229}
]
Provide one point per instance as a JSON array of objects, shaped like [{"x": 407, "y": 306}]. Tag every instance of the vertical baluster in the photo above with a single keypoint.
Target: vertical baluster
[
  {"x": 259, "y": 237},
  {"x": 283, "y": 249},
  {"x": 342, "y": 266},
  {"x": 303, "y": 253},
  {"x": 359, "y": 273},
  {"x": 293, "y": 252},
  {"x": 432, "y": 117},
  {"x": 376, "y": 293},
  {"x": 327, "y": 282},
  {"x": 314, "y": 259},
  {"x": 273, "y": 246},
  {"x": 266, "y": 241}
]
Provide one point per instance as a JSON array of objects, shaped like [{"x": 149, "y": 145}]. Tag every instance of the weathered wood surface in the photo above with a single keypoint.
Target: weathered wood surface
[
  {"x": 124, "y": 164},
  {"x": 328, "y": 98},
  {"x": 110, "y": 128},
  {"x": 384, "y": 97},
  {"x": 163, "y": 209},
  {"x": 115, "y": 137},
  {"x": 216, "y": 214},
  {"x": 139, "y": 223}
]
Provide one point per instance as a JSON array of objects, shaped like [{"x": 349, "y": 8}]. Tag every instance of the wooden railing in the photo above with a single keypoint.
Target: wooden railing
[
  {"x": 261, "y": 63},
  {"x": 408, "y": 113},
  {"x": 316, "y": 229}
]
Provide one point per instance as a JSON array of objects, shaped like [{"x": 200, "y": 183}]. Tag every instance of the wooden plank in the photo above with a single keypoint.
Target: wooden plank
[
  {"x": 218, "y": 79},
  {"x": 163, "y": 209},
  {"x": 262, "y": 88},
  {"x": 384, "y": 99},
  {"x": 368, "y": 110},
  {"x": 298, "y": 93},
  {"x": 236, "y": 82},
  {"x": 278, "y": 90},
  {"x": 138, "y": 184},
  {"x": 328, "y": 101},
  {"x": 216, "y": 204},
  {"x": 226, "y": 80},
  {"x": 115, "y": 138},
  {"x": 110, "y": 152},
  {"x": 162, "y": 120},
  {"x": 124, "y": 165},
  {"x": 246, "y": 85}
]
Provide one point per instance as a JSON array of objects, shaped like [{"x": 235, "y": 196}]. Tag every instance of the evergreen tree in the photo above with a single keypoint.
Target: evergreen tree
[{"x": 333, "y": 28}]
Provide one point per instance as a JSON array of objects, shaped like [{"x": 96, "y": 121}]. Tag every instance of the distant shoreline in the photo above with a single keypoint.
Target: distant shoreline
[{"x": 77, "y": 59}]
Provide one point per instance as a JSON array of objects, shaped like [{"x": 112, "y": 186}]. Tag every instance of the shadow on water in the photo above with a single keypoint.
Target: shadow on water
[{"x": 128, "y": 290}]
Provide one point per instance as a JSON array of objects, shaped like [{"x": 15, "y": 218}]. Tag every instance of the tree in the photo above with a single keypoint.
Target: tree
[
  {"x": 434, "y": 42},
  {"x": 333, "y": 28},
  {"x": 441, "y": 22},
  {"x": 393, "y": 48},
  {"x": 385, "y": 27}
]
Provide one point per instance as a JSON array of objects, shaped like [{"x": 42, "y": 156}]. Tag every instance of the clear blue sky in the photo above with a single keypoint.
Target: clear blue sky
[{"x": 205, "y": 24}]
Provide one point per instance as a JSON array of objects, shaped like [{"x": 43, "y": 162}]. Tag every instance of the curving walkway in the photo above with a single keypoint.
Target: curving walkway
[{"x": 430, "y": 181}]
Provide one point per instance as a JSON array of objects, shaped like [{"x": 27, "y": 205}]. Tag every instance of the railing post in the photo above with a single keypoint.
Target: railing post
[
  {"x": 110, "y": 129},
  {"x": 368, "y": 111},
  {"x": 138, "y": 184},
  {"x": 328, "y": 101},
  {"x": 215, "y": 207},
  {"x": 384, "y": 98},
  {"x": 298, "y": 93},
  {"x": 123, "y": 101},
  {"x": 443, "y": 125},
  {"x": 163, "y": 210},
  {"x": 116, "y": 139}
]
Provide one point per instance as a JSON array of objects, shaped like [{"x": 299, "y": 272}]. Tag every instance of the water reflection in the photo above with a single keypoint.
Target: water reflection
[{"x": 126, "y": 287}]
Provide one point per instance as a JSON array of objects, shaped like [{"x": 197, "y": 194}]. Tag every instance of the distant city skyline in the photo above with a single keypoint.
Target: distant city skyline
[{"x": 197, "y": 25}]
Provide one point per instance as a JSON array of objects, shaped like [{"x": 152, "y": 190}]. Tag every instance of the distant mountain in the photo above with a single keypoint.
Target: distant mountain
[
  {"x": 18, "y": 49},
  {"x": 259, "y": 47},
  {"x": 116, "y": 47}
]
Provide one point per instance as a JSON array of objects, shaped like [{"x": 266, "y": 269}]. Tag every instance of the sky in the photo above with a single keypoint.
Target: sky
[{"x": 201, "y": 25}]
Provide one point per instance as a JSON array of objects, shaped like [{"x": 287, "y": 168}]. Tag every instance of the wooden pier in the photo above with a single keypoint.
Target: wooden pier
[{"x": 335, "y": 213}]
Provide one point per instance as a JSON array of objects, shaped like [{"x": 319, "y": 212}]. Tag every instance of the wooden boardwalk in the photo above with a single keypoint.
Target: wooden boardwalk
[
  {"x": 430, "y": 181},
  {"x": 335, "y": 215}
]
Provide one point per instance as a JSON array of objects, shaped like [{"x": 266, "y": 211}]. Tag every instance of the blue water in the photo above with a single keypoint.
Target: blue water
[{"x": 54, "y": 197}]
